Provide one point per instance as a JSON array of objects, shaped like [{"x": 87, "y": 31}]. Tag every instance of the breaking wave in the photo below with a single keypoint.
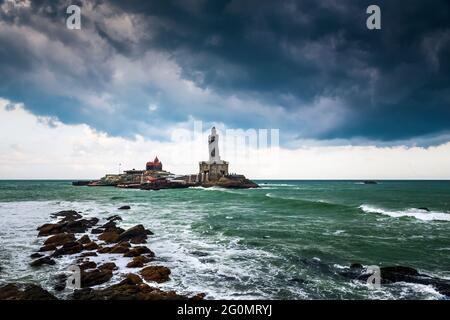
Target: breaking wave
[{"x": 419, "y": 214}]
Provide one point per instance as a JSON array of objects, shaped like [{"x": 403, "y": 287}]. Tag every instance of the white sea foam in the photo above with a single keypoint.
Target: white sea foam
[{"x": 412, "y": 212}]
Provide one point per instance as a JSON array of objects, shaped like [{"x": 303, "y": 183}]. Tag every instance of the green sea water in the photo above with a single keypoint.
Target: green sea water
[{"x": 285, "y": 240}]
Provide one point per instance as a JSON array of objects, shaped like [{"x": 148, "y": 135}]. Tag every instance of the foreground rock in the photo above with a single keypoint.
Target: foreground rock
[
  {"x": 67, "y": 225},
  {"x": 131, "y": 288},
  {"x": 68, "y": 248},
  {"x": 41, "y": 261},
  {"x": 59, "y": 239},
  {"x": 396, "y": 274},
  {"x": 136, "y": 234},
  {"x": 24, "y": 292},
  {"x": 95, "y": 277},
  {"x": 158, "y": 274}
]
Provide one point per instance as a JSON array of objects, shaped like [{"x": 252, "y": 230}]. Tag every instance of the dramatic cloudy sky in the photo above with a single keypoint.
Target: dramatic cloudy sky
[{"x": 349, "y": 102}]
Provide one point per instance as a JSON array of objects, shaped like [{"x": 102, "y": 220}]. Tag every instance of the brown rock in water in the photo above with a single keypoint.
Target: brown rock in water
[
  {"x": 24, "y": 292},
  {"x": 109, "y": 225},
  {"x": 88, "y": 265},
  {"x": 131, "y": 278},
  {"x": 68, "y": 248},
  {"x": 139, "y": 240},
  {"x": 67, "y": 215},
  {"x": 80, "y": 226},
  {"x": 138, "y": 262},
  {"x": 109, "y": 237},
  {"x": 49, "y": 229},
  {"x": 41, "y": 261},
  {"x": 124, "y": 208},
  {"x": 60, "y": 239},
  {"x": 50, "y": 247},
  {"x": 90, "y": 246},
  {"x": 155, "y": 273},
  {"x": 126, "y": 291},
  {"x": 72, "y": 226},
  {"x": 136, "y": 232},
  {"x": 122, "y": 247},
  {"x": 60, "y": 281},
  {"x": 84, "y": 239},
  {"x": 137, "y": 251},
  {"x": 88, "y": 254},
  {"x": 104, "y": 250},
  {"x": 114, "y": 218},
  {"x": 108, "y": 266},
  {"x": 36, "y": 255},
  {"x": 97, "y": 231},
  {"x": 95, "y": 277}
]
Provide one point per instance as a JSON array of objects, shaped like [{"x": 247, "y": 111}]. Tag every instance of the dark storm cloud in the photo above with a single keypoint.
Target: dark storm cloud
[{"x": 314, "y": 63}]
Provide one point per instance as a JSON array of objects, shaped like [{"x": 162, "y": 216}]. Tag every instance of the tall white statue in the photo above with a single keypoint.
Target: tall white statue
[{"x": 213, "y": 143}]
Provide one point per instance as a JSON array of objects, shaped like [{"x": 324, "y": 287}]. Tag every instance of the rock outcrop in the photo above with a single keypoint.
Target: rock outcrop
[{"x": 24, "y": 292}]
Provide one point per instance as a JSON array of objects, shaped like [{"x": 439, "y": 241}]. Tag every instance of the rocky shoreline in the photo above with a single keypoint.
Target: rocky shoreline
[{"x": 81, "y": 239}]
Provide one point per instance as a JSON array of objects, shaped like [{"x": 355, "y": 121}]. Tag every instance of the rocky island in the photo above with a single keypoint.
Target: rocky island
[{"x": 212, "y": 173}]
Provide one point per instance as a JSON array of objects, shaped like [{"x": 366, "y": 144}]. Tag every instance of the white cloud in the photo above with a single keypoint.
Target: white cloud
[{"x": 30, "y": 148}]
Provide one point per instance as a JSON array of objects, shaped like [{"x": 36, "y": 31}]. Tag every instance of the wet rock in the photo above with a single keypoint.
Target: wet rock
[
  {"x": 67, "y": 215},
  {"x": 36, "y": 255},
  {"x": 97, "y": 231},
  {"x": 72, "y": 226},
  {"x": 95, "y": 277},
  {"x": 84, "y": 239},
  {"x": 88, "y": 254},
  {"x": 136, "y": 232},
  {"x": 49, "y": 229},
  {"x": 124, "y": 208},
  {"x": 88, "y": 265},
  {"x": 80, "y": 226},
  {"x": 60, "y": 282},
  {"x": 49, "y": 247},
  {"x": 24, "y": 292},
  {"x": 125, "y": 291},
  {"x": 139, "y": 240},
  {"x": 356, "y": 266},
  {"x": 41, "y": 261},
  {"x": 400, "y": 274},
  {"x": 114, "y": 218},
  {"x": 138, "y": 262},
  {"x": 60, "y": 239},
  {"x": 131, "y": 278},
  {"x": 104, "y": 250},
  {"x": 90, "y": 246},
  {"x": 137, "y": 251},
  {"x": 68, "y": 248},
  {"x": 109, "y": 225},
  {"x": 155, "y": 273},
  {"x": 109, "y": 237},
  {"x": 122, "y": 247},
  {"x": 108, "y": 266}
]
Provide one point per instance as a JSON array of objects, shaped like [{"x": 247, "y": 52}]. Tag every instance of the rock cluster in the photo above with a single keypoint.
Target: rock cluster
[{"x": 62, "y": 240}]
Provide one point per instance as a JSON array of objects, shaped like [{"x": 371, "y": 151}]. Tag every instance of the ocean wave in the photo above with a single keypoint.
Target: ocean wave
[
  {"x": 411, "y": 212},
  {"x": 309, "y": 201},
  {"x": 277, "y": 185}
]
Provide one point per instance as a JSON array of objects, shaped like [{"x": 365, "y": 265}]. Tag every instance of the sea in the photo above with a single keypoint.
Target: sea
[{"x": 285, "y": 240}]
